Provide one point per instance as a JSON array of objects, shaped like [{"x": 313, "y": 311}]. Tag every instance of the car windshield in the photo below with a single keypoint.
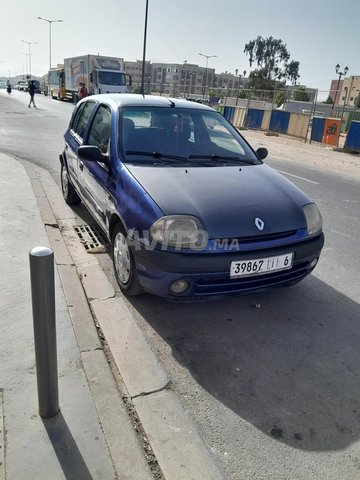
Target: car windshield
[{"x": 166, "y": 135}]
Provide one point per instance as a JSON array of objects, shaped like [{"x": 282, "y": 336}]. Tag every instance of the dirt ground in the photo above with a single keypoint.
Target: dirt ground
[{"x": 297, "y": 151}]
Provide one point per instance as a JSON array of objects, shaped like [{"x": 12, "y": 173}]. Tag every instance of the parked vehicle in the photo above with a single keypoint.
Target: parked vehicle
[
  {"x": 22, "y": 86},
  {"x": 99, "y": 73},
  {"x": 56, "y": 84},
  {"x": 189, "y": 208}
]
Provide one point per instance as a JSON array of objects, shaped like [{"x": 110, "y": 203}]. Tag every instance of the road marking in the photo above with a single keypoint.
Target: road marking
[
  {"x": 301, "y": 178},
  {"x": 341, "y": 233}
]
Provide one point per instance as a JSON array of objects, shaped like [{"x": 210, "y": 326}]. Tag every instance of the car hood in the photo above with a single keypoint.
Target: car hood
[{"x": 226, "y": 199}]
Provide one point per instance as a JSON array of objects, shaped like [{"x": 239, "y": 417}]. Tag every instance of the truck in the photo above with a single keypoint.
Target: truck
[
  {"x": 56, "y": 83},
  {"x": 100, "y": 74}
]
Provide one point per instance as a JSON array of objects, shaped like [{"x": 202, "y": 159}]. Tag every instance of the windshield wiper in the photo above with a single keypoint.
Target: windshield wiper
[
  {"x": 220, "y": 158},
  {"x": 158, "y": 156},
  {"x": 168, "y": 158}
]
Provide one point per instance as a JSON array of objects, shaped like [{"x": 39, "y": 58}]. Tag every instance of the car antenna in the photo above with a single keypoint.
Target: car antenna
[{"x": 172, "y": 103}]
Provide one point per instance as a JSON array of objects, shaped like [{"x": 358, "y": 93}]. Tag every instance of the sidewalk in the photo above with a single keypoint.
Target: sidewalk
[
  {"x": 92, "y": 437},
  {"x": 71, "y": 445}
]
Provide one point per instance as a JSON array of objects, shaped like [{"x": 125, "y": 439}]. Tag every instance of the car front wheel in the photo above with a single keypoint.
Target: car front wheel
[{"x": 124, "y": 264}]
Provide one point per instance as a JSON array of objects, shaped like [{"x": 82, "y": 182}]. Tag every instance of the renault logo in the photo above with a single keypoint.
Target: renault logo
[{"x": 259, "y": 223}]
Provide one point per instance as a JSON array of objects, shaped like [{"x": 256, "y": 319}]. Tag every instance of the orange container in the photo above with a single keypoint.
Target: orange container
[{"x": 331, "y": 131}]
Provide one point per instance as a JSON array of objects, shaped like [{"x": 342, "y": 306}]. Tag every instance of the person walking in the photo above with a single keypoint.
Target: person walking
[
  {"x": 31, "y": 90},
  {"x": 83, "y": 91}
]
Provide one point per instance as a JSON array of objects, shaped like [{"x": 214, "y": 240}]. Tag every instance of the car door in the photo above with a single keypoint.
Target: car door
[
  {"x": 74, "y": 138},
  {"x": 96, "y": 176}
]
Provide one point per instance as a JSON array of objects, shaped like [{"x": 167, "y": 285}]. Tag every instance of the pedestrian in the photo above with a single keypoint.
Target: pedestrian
[
  {"x": 31, "y": 90},
  {"x": 83, "y": 91}
]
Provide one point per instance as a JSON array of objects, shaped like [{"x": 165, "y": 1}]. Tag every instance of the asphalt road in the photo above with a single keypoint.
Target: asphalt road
[{"x": 271, "y": 379}]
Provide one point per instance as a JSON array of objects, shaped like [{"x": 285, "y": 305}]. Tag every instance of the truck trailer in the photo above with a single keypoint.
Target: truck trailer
[{"x": 100, "y": 74}]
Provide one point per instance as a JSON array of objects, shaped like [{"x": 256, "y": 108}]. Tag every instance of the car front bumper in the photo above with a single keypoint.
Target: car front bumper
[{"x": 209, "y": 274}]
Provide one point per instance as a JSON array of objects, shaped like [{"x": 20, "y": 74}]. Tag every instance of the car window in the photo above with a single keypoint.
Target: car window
[
  {"x": 158, "y": 128},
  {"x": 76, "y": 117},
  {"x": 180, "y": 132},
  {"x": 80, "y": 126},
  {"x": 100, "y": 129}
]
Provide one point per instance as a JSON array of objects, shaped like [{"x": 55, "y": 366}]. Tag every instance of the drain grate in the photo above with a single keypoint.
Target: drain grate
[{"x": 92, "y": 237}]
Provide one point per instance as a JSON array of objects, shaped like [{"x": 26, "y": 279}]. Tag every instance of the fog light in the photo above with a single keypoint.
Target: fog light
[
  {"x": 179, "y": 286},
  {"x": 313, "y": 263}
]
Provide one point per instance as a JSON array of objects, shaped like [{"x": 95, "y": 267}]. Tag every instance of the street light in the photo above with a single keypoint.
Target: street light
[
  {"x": 29, "y": 44},
  {"x": 27, "y": 61},
  {"x": 236, "y": 73},
  {"x": 341, "y": 74},
  {"x": 49, "y": 22},
  {"x": 206, "y": 68}
]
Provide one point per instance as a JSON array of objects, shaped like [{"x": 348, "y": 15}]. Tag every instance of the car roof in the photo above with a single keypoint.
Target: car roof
[{"x": 135, "y": 100}]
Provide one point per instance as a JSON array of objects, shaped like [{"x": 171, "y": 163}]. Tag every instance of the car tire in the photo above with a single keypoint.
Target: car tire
[
  {"x": 68, "y": 191},
  {"x": 124, "y": 264}
]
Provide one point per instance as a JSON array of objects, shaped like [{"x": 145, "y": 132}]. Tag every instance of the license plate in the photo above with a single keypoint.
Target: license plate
[{"x": 259, "y": 266}]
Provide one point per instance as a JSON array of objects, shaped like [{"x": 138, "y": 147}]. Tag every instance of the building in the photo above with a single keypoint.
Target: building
[
  {"x": 189, "y": 80},
  {"x": 335, "y": 91},
  {"x": 135, "y": 70},
  {"x": 227, "y": 84},
  {"x": 184, "y": 80},
  {"x": 181, "y": 79},
  {"x": 350, "y": 90}
]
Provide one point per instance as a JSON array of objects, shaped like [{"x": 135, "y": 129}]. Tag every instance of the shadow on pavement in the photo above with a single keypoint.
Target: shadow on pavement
[
  {"x": 67, "y": 452},
  {"x": 290, "y": 368}
]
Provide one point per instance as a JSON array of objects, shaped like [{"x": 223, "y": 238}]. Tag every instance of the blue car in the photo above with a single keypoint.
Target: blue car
[{"x": 189, "y": 208}]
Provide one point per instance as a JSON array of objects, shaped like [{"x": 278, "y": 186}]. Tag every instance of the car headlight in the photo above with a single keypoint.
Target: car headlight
[
  {"x": 180, "y": 231},
  {"x": 313, "y": 218}
]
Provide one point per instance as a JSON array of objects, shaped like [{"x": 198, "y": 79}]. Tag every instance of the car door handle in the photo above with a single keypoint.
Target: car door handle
[
  {"x": 66, "y": 146},
  {"x": 81, "y": 166}
]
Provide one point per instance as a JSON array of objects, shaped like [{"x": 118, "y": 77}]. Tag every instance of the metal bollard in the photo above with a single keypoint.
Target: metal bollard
[{"x": 43, "y": 307}]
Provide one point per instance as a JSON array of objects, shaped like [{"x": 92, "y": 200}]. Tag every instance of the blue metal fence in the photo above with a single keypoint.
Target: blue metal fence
[
  {"x": 353, "y": 137},
  {"x": 229, "y": 113},
  {"x": 254, "y": 118},
  {"x": 279, "y": 121},
  {"x": 317, "y": 129}
]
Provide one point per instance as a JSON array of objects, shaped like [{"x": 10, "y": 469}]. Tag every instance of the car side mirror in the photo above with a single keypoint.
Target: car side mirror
[
  {"x": 262, "y": 153},
  {"x": 92, "y": 153}
]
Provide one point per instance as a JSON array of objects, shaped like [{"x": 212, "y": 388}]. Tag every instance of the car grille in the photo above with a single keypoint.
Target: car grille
[
  {"x": 223, "y": 285},
  {"x": 266, "y": 237}
]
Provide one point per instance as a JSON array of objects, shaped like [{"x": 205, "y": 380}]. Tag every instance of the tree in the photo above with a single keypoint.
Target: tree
[
  {"x": 292, "y": 71},
  {"x": 357, "y": 102},
  {"x": 240, "y": 94},
  {"x": 300, "y": 94},
  {"x": 273, "y": 59},
  {"x": 280, "y": 98},
  {"x": 329, "y": 100}
]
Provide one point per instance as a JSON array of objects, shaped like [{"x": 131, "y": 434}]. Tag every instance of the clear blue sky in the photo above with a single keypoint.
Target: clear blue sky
[{"x": 318, "y": 33}]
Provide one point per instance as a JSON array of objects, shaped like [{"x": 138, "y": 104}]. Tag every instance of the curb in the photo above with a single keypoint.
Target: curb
[{"x": 180, "y": 451}]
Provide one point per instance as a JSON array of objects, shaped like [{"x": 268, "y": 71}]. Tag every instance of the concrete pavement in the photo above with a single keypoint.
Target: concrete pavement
[{"x": 92, "y": 437}]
